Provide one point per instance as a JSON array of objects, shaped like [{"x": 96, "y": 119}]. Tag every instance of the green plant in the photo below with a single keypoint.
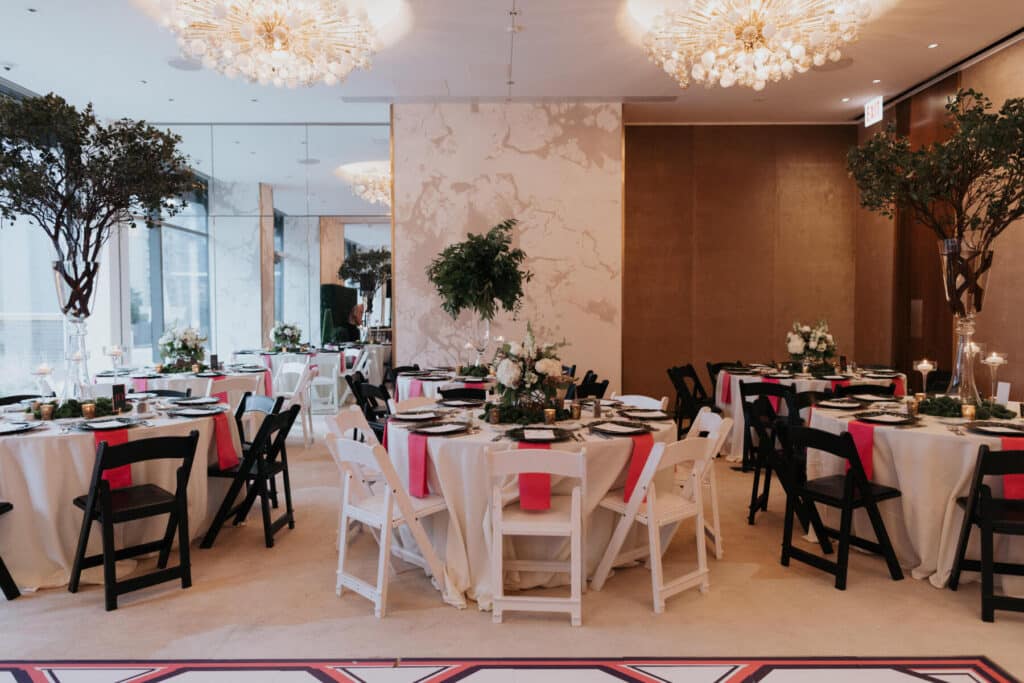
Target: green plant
[
  {"x": 947, "y": 406},
  {"x": 481, "y": 273},
  {"x": 72, "y": 408},
  {"x": 77, "y": 178},
  {"x": 370, "y": 268}
]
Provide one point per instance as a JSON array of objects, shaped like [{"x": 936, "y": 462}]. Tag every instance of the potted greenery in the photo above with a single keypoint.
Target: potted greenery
[
  {"x": 479, "y": 275},
  {"x": 371, "y": 269},
  {"x": 968, "y": 189},
  {"x": 77, "y": 179}
]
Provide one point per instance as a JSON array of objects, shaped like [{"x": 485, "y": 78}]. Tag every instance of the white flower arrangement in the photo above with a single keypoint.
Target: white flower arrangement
[
  {"x": 528, "y": 371},
  {"x": 814, "y": 344},
  {"x": 182, "y": 344},
  {"x": 286, "y": 335}
]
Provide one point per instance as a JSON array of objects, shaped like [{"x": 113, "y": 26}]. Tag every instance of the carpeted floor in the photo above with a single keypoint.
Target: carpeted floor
[
  {"x": 963, "y": 670},
  {"x": 251, "y": 602}
]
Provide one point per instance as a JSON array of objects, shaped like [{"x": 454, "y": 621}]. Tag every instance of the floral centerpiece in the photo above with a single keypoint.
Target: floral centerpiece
[
  {"x": 816, "y": 345},
  {"x": 529, "y": 379},
  {"x": 286, "y": 336},
  {"x": 181, "y": 349}
]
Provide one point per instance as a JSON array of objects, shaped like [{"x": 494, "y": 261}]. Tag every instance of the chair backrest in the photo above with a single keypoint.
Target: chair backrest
[
  {"x": 11, "y": 400},
  {"x": 991, "y": 463},
  {"x": 464, "y": 392},
  {"x": 641, "y": 401},
  {"x": 804, "y": 400},
  {"x": 689, "y": 393},
  {"x": 592, "y": 389},
  {"x": 711, "y": 425},
  {"x": 411, "y": 404},
  {"x": 251, "y": 403},
  {"x": 359, "y": 457},
  {"x": 537, "y": 461},
  {"x": 875, "y": 389},
  {"x": 391, "y": 375},
  {"x": 235, "y": 388},
  {"x": 588, "y": 377},
  {"x": 697, "y": 450},
  {"x": 171, "y": 393},
  {"x": 350, "y": 423},
  {"x": 329, "y": 363},
  {"x": 714, "y": 369},
  {"x": 299, "y": 397},
  {"x": 109, "y": 457},
  {"x": 374, "y": 399},
  {"x": 839, "y": 445},
  {"x": 288, "y": 376},
  {"x": 270, "y": 439},
  {"x": 569, "y": 370}
]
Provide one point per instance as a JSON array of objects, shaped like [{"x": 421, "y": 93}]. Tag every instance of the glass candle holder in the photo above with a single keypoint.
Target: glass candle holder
[
  {"x": 576, "y": 410},
  {"x": 968, "y": 411},
  {"x": 994, "y": 361},
  {"x": 549, "y": 416},
  {"x": 46, "y": 411},
  {"x": 88, "y": 410},
  {"x": 924, "y": 366}
]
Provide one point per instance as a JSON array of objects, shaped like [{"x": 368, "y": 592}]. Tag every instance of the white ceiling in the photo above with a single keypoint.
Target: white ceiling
[{"x": 102, "y": 50}]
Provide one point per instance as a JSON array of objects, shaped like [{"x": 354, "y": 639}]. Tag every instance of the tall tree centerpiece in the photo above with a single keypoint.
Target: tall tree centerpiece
[
  {"x": 481, "y": 274},
  {"x": 370, "y": 269},
  {"x": 77, "y": 178},
  {"x": 968, "y": 189}
]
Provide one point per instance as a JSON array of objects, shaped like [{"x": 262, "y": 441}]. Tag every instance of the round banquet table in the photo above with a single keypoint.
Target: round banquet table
[
  {"x": 731, "y": 408},
  {"x": 457, "y": 470},
  {"x": 431, "y": 388},
  {"x": 42, "y": 471},
  {"x": 184, "y": 382},
  {"x": 932, "y": 466}
]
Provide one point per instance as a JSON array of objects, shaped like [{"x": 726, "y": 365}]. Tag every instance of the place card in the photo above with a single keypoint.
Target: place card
[
  {"x": 618, "y": 428},
  {"x": 105, "y": 424},
  {"x": 538, "y": 435}
]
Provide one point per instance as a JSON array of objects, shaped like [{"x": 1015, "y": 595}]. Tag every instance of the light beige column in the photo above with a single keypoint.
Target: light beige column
[
  {"x": 332, "y": 248},
  {"x": 266, "y": 262}
]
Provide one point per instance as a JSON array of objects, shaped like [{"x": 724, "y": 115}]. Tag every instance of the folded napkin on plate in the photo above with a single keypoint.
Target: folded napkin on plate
[{"x": 119, "y": 477}]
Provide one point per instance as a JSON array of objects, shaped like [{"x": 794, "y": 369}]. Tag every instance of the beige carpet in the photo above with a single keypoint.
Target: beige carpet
[{"x": 251, "y": 602}]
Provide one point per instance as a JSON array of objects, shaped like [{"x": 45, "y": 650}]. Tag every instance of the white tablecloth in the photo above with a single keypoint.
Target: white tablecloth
[
  {"x": 41, "y": 472},
  {"x": 458, "y": 471},
  {"x": 432, "y": 388},
  {"x": 932, "y": 466},
  {"x": 734, "y": 445}
]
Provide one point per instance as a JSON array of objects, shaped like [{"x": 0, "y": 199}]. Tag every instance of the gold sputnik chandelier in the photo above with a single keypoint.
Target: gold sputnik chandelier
[
  {"x": 280, "y": 42},
  {"x": 751, "y": 42},
  {"x": 370, "y": 180}
]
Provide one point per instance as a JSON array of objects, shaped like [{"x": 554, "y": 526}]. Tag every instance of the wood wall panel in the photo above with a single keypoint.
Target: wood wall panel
[
  {"x": 771, "y": 240},
  {"x": 266, "y": 205},
  {"x": 658, "y": 245}
]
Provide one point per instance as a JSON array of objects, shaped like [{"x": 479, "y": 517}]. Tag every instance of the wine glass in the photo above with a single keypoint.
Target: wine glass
[
  {"x": 924, "y": 366},
  {"x": 994, "y": 361},
  {"x": 116, "y": 354}
]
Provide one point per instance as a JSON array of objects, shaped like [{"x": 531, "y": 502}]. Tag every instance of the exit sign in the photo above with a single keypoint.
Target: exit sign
[{"x": 873, "y": 111}]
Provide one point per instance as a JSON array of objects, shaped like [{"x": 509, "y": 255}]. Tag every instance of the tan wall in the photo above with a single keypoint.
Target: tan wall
[
  {"x": 266, "y": 198},
  {"x": 757, "y": 225},
  {"x": 332, "y": 248},
  {"x": 1001, "y": 323}
]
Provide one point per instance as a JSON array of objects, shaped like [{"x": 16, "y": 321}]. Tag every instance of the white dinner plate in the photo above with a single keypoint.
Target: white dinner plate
[
  {"x": 835, "y": 378},
  {"x": 439, "y": 430},
  {"x": 839, "y": 404},
  {"x": 197, "y": 401},
  {"x": 139, "y": 396},
  {"x": 645, "y": 414},
  {"x": 103, "y": 425},
  {"x": 415, "y": 417},
  {"x": 197, "y": 412},
  {"x": 617, "y": 429},
  {"x": 17, "y": 427},
  {"x": 998, "y": 429},
  {"x": 871, "y": 397}
]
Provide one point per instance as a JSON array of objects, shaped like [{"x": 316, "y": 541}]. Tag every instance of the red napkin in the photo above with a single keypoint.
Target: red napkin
[
  {"x": 140, "y": 385},
  {"x": 642, "y": 445},
  {"x": 726, "y": 382},
  {"x": 119, "y": 477},
  {"x": 836, "y": 383},
  {"x": 268, "y": 382},
  {"x": 901, "y": 387},
  {"x": 415, "y": 388},
  {"x": 227, "y": 456},
  {"x": 534, "y": 489},
  {"x": 384, "y": 441},
  {"x": 474, "y": 385},
  {"x": 1013, "y": 484},
  {"x": 774, "y": 400},
  {"x": 418, "y": 465},
  {"x": 864, "y": 438}
]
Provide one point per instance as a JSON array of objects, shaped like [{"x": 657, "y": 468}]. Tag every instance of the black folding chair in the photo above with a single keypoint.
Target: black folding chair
[
  {"x": 391, "y": 376},
  {"x": 759, "y": 416},
  {"x": 250, "y": 403},
  {"x": 354, "y": 380},
  {"x": 846, "y": 492},
  {"x": 464, "y": 393},
  {"x": 569, "y": 370},
  {"x": 11, "y": 400},
  {"x": 170, "y": 393},
  {"x": 690, "y": 397},
  {"x": 592, "y": 390},
  {"x": 374, "y": 402},
  {"x": 992, "y": 516},
  {"x": 7, "y": 585},
  {"x": 714, "y": 369},
  {"x": 138, "y": 501},
  {"x": 803, "y": 400},
  {"x": 264, "y": 460},
  {"x": 873, "y": 389}
]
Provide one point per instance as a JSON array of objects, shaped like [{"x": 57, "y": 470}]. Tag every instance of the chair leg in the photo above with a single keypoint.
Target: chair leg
[
  {"x": 497, "y": 566},
  {"x": 287, "y": 482},
  {"x": 184, "y": 549},
  {"x": 576, "y": 564},
  {"x": 224, "y": 510},
  {"x": 843, "y": 559},
  {"x": 83, "y": 543},
  {"x": 654, "y": 562},
  {"x": 787, "y": 531},
  {"x": 109, "y": 566},
  {"x": 961, "y": 551},
  {"x": 604, "y": 567},
  {"x": 268, "y": 523},
  {"x": 342, "y": 545},
  {"x": 383, "y": 563},
  {"x": 273, "y": 492},
  {"x": 882, "y": 536},
  {"x": 767, "y": 487},
  {"x": 753, "y": 493},
  {"x": 702, "y": 554},
  {"x": 988, "y": 612},
  {"x": 716, "y": 522},
  {"x": 7, "y": 585},
  {"x": 165, "y": 550}
]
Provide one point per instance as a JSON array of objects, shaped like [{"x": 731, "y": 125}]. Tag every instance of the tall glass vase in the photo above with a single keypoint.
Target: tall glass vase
[
  {"x": 76, "y": 283},
  {"x": 965, "y": 271},
  {"x": 481, "y": 339}
]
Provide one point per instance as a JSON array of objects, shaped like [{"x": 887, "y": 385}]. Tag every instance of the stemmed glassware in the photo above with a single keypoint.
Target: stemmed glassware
[
  {"x": 116, "y": 354},
  {"x": 994, "y": 361},
  {"x": 924, "y": 366}
]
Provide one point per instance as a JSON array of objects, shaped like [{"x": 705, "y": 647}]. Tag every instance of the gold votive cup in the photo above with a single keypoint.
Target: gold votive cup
[
  {"x": 597, "y": 407},
  {"x": 912, "y": 407},
  {"x": 549, "y": 416},
  {"x": 576, "y": 410},
  {"x": 46, "y": 411},
  {"x": 195, "y": 367},
  {"x": 920, "y": 396},
  {"x": 88, "y": 410},
  {"x": 35, "y": 405},
  {"x": 158, "y": 368},
  {"x": 968, "y": 411},
  {"x": 494, "y": 416}
]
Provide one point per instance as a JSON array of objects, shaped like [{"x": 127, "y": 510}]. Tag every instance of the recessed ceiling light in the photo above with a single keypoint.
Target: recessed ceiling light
[
  {"x": 184, "y": 64},
  {"x": 310, "y": 161},
  {"x": 33, "y": 10},
  {"x": 170, "y": 99},
  {"x": 933, "y": 46},
  {"x": 846, "y": 99},
  {"x": 877, "y": 81},
  {"x": 143, "y": 82},
  {"x": 254, "y": 100},
  {"x": 238, "y": 142}
]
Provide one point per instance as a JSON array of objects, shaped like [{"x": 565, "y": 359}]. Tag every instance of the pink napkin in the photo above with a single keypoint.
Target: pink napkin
[
  {"x": 268, "y": 382},
  {"x": 901, "y": 387},
  {"x": 726, "y": 382},
  {"x": 384, "y": 441},
  {"x": 227, "y": 456},
  {"x": 418, "y": 465},
  {"x": 415, "y": 388},
  {"x": 140, "y": 385},
  {"x": 836, "y": 383},
  {"x": 864, "y": 438},
  {"x": 642, "y": 445},
  {"x": 1013, "y": 484},
  {"x": 119, "y": 477},
  {"x": 534, "y": 489},
  {"x": 774, "y": 400}
]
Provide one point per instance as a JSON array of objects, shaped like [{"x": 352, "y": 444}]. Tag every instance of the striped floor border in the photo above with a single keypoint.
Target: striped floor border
[{"x": 645, "y": 670}]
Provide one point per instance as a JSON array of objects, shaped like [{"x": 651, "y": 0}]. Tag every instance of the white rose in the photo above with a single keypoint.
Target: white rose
[
  {"x": 805, "y": 328},
  {"x": 509, "y": 373},
  {"x": 829, "y": 339},
  {"x": 795, "y": 344},
  {"x": 515, "y": 349},
  {"x": 548, "y": 366}
]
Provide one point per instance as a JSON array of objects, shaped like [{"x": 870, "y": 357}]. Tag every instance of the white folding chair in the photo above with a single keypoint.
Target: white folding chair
[
  {"x": 640, "y": 401},
  {"x": 300, "y": 396},
  {"x": 324, "y": 390},
  {"x": 717, "y": 428},
  {"x": 362, "y": 365},
  {"x": 564, "y": 519},
  {"x": 350, "y": 423},
  {"x": 411, "y": 404},
  {"x": 288, "y": 376},
  {"x": 657, "y": 511},
  {"x": 236, "y": 388},
  {"x": 385, "y": 512}
]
